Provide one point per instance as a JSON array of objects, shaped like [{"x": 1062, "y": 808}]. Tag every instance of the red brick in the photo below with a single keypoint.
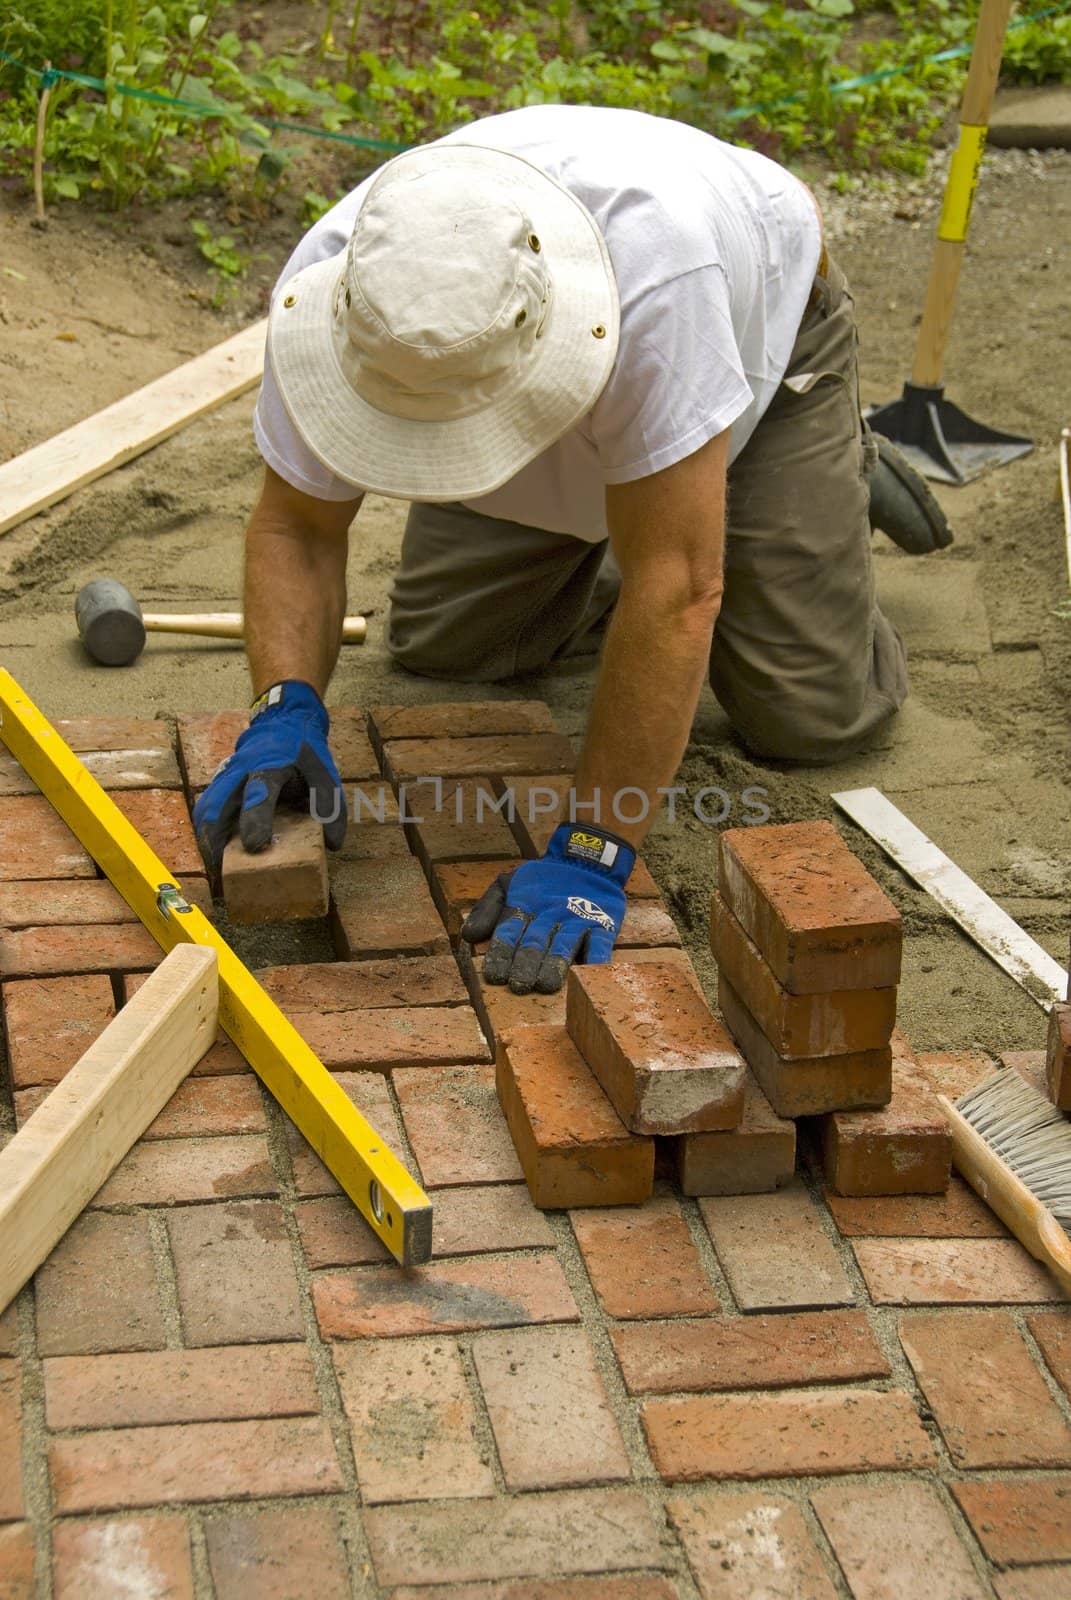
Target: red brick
[
  {"x": 370, "y": 1093},
  {"x": 866, "y": 1525},
  {"x": 953, "y": 1072},
  {"x": 460, "y": 720},
  {"x": 205, "y": 739},
  {"x": 287, "y": 881},
  {"x": 1020, "y": 1521},
  {"x": 277, "y": 1555},
  {"x": 648, "y": 1035},
  {"x": 350, "y": 745},
  {"x": 959, "y": 1214},
  {"x": 816, "y": 914},
  {"x": 935, "y": 1272},
  {"x": 235, "y": 1272},
  {"x": 478, "y": 756},
  {"x": 905, "y": 1148},
  {"x": 1033, "y": 1583},
  {"x": 177, "y": 1171},
  {"x": 149, "y": 1556},
  {"x": 837, "y": 1022},
  {"x": 456, "y": 887},
  {"x": 785, "y": 1435},
  {"x": 455, "y": 1125},
  {"x": 993, "y": 1409},
  {"x": 326, "y": 986},
  {"x": 467, "y": 1222},
  {"x": 81, "y": 902},
  {"x": 50, "y": 1024},
  {"x": 644, "y": 1263},
  {"x": 97, "y": 1290},
  {"x": 573, "y": 1147},
  {"x": 393, "y": 1037},
  {"x": 383, "y": 908},
  {"x": 774, "y": 1251},
  {"x": 17, "y": 1561},
  {"x": 1030, "y": 1065},
  {"x": 781, "y": 1352},
  {"x": 549, "y": 1409},
  {"x": 459, "y": 822},
  {"x": 83, "y": 734},
  {"x": 1052, "y": 1330},
  {"x": 743, "y": 1546},
  {"x": 374, "y": 831},
  {"x": 56, "y": 951},
  {"x": 615, "y": 1588},
  {"x": 647, "y": 923},
  {"x": 11, "y": 1501},
  {"x": 577, "y": 1530},
  {"x": 1058, "y": 1055},
  {"x": 220, "y": 1059},
  {"x": 499, "y": 1009},
  {"x": 162, "y": 819},
  {"x": 811, "y": 1085},
  {"x": 199, "y": 1106},
  {"x": 35, "y": 843},
  {"x": 536, "y": 804},
  {"x": 153, "y": 768},
  {"x": 192, "y": 1461},
  {"x": 757, "y": 1155},
  {"x": 213, "y": 1385},
  {"x": 412, "y": 1421},
  {"x": 446, "y": 1297}
]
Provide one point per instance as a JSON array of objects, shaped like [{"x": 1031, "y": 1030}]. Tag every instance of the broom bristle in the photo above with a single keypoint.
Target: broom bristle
[{"x": 1029, "y": 1135}]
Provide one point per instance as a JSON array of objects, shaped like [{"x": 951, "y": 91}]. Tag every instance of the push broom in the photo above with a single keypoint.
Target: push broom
[{"x": 939, "y": 439}]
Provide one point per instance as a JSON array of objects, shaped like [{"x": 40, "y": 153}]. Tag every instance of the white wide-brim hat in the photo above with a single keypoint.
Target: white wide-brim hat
[{"x": 471, "y": 321}]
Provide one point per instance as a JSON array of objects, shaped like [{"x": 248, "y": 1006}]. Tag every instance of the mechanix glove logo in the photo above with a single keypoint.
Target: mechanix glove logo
[
  {"x": 593, "y": 847},
  {"x": 590, "y": 912}
]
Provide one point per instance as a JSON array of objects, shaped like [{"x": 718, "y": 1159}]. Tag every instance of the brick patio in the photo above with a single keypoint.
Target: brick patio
[{"x": 220, "y": 1385}]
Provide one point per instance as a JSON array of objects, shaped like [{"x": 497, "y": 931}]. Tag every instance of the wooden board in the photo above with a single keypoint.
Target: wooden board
[
  {"x": 35, "y": 480},
  {"x": 82, "y": 1130}
]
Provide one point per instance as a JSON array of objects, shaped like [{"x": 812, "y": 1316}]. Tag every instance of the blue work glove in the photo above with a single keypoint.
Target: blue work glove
[
  {"x": 282, "y": 755},
  {"x": 545, "y": 914}
]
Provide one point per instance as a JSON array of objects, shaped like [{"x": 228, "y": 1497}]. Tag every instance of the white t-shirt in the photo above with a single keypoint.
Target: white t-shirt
[{"x": 714, "y": 249}]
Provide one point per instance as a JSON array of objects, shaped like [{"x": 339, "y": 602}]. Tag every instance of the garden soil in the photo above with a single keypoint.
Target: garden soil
[{"x": 91, "y": 308}]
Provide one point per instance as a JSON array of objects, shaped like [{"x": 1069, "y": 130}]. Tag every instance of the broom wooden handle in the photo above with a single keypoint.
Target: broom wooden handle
[
  {"x": 974, "y": 112},
  {"x": 229, "y": 625}
]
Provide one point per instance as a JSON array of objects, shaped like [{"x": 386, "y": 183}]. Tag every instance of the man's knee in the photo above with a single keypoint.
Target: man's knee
[{"x": 430, "y": 648}]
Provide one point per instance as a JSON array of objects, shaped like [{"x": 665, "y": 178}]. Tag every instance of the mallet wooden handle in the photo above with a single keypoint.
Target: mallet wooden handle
[{"x": 229, "y": 624}]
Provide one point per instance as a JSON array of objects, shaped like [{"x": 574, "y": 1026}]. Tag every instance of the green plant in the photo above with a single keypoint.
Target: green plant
[
  {"x": 221, "y": 251},
  {"x": 1039, "y": 52}
]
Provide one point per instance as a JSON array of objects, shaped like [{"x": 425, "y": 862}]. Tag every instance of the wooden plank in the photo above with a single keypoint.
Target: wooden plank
[
  {"x": 37, "y": 478},
  {"x": 79, "y": 1134}
]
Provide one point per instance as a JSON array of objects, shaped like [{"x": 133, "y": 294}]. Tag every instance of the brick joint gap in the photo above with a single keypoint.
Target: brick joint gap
[
  {"x": 166, "y": 1279},
  {"x": 36, "y": 1483}
]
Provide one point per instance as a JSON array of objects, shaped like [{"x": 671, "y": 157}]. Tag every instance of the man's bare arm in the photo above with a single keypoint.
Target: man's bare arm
[
  {"x": 295, "y": 584},
  {"x": 667, "y": 532}
]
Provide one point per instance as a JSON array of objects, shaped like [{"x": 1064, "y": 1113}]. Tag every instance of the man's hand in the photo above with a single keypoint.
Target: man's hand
[
  {"x": 283, "y": 754},
  {"x": 545, "y": 914}
]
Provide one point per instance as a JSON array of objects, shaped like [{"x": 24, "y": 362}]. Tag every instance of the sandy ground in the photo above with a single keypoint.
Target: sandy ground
[{"x": 978, "y": 758}]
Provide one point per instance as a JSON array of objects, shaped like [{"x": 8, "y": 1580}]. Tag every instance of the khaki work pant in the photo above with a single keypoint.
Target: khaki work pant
[{"x": 803, "y": 661}]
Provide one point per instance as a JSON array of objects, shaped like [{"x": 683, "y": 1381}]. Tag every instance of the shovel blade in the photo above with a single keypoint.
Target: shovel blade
[{"x": 939, "y": 439}]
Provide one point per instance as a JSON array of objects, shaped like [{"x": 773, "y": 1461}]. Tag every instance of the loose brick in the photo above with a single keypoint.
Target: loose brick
[
  {"x": 456, "y": 887},
  {"x": 277, "y": 1555},
  {"x": 959, "y": 1214},
  {"x": 235, "y": 1272},
  {"x": 666, "y": 1063},
  {"x": 455, "y": 1125},
  {"x": 446, "y": 1297},
  {"x": 577, "y": 1530},
  {"x": 370, "y": 1094},
  {"x": 1019, "y": 1521},
  {"x": 35, "y": 843},
  {"x": 993, "y": 1409},
  {"x": 17, "y": 1561},
  {"x": 192, "y": 1461},
  {"x": 935, "y": 1272},
  {"x": 549, "y": 1409},
  {"x": 1058, "y": 1055},
  {"x": 77, "y": 902},
  {"x": 383, "y": 908},
  {"x": 573, "y": 1147},
  {"x": 213, "y": 1385},
  {"x": 785, "y": 1435},
  {"x": 812, "y": 1085},
  {"x": 866, "y": 1525},
  {"x": 647, "y": 924},
  {"x": 287, "y": 881},
  {"x": 1052, "y": 1330},
  {"x": 412, "y": 1421},
  {"x": 326, "y": 986},
  {"x": 50, "y": 1024},
  {"x": 97, "y": 1290},
  {"x": 782, "y": 1352},
  {"x": 393, "y": 1037},
  {"x": 467, "y": 1222},
  {"x": 478, "y": 756},
  {"x": 838, "y": 1022},
  {"x": 499, "y": 1009},
  {"x": 1030, "y": 1065},
  {"x": 814, "y": 911},
  {"x": 460, "y": 822},
  {"x": 11, "y": 1501},
  {"x": 775, "y": 1252},
  {"x": 905, "y": 1148},
  {"x": 758, "y": 1155},
  {"x": 162, "y": 819},
  {"x": 57, "y": 951},
  {"x": 644, "y": 1263},
  {"x": 168, "y": 1172},
  {"x": 460, "y": 720},
  {"x": 742, "y": 1546},
  {"x": 98, "y": 1560}
]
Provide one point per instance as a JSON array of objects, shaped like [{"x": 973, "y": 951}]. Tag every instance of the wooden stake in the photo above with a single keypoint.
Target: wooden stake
[{"x": 39, "y": 143}]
